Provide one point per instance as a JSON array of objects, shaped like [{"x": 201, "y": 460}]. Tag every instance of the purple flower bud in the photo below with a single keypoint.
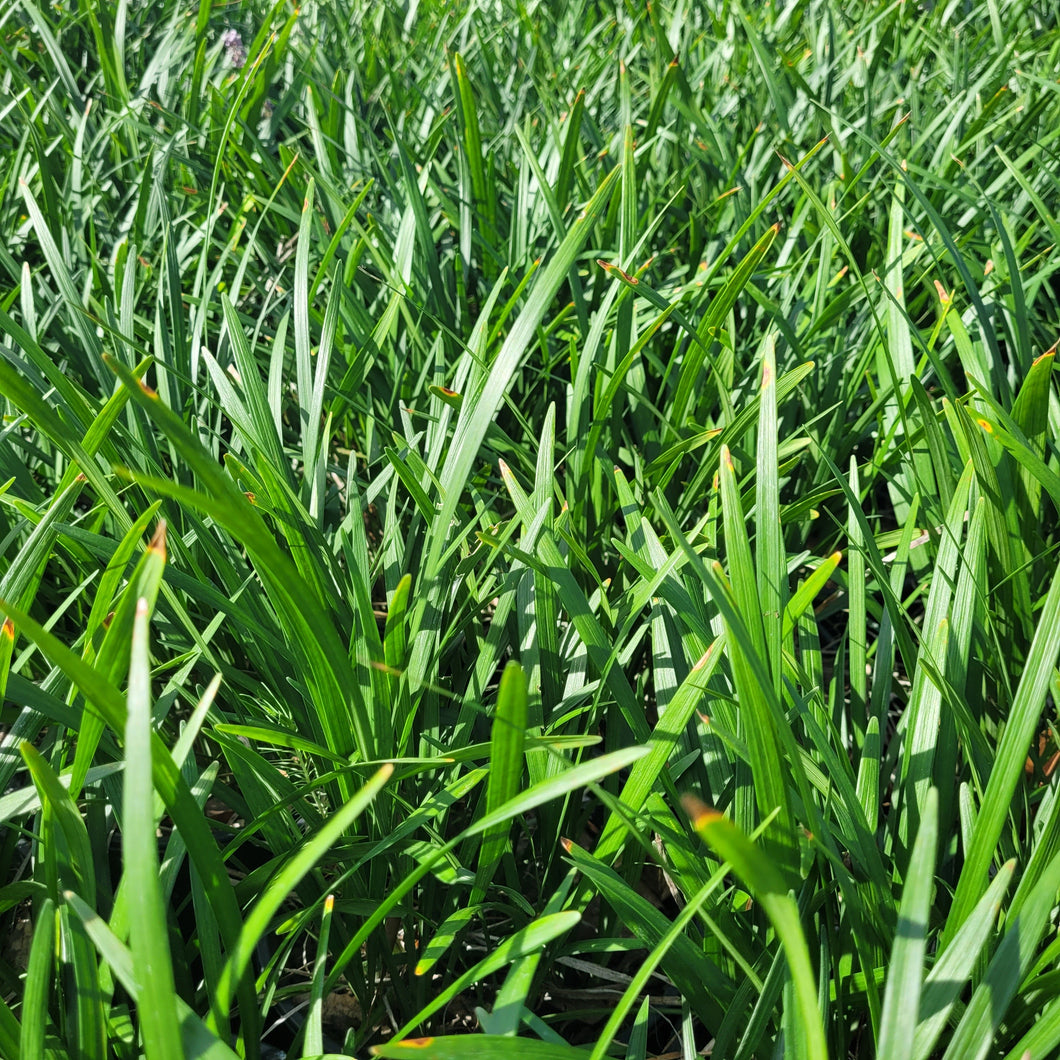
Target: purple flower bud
[{"x": 233, "y": 44}]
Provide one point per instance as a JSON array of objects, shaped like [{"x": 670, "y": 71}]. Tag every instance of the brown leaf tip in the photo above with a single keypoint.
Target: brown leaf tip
[
  {"x": 9, "y": 629},
  {"x": 158, "y": 542},
  {"x": 700, "y": 813}
]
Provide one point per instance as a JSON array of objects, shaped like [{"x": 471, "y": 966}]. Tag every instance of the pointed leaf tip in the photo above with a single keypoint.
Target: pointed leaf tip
[
  {"x": 158, "y": 541},
  {"x": 699, "y": 812}
]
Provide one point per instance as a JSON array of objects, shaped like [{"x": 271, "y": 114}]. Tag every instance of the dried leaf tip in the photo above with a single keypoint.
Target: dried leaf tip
[
  {"x": 700, "y": 813},
  {"x": 149, "y": 391},
  {"x": 566, "y": 843},
  {"x": 9, "y": 629},
  {"x": 158, "y": 542},
  {"x": 329, "y": 903},
  {"x": 142, "y": 607}
]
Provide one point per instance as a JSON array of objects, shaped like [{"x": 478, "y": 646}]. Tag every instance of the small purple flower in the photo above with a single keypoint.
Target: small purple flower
[{"x": 233, "y": 43}]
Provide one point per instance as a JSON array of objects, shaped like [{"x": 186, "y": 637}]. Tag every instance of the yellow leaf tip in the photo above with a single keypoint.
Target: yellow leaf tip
[{"x": 699, "y": 812}]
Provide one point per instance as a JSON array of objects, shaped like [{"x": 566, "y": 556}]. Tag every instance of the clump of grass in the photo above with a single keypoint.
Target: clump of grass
[{"x": 535, "y": 526}]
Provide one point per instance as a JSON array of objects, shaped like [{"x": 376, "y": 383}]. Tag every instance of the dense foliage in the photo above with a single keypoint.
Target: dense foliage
[{"x": 530, "y": 523}]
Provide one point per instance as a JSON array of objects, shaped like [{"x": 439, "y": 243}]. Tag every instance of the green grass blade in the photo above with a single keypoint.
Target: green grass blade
[
  {"x": 40, "y": 970},
  {"x": 952, "y": 969},
  {"x": 517, "y": 945},
  {"x": 483, "y": 1046},
  {"x": 284, "y": 881},
  {"x": 477, "y": 413},
  {"x": 906, "y": 968},
  {"x": 1010, "y": 758},
  {"x": 152, "y": 963},
  {"x": 196, "y": 1041},
  {"x": 506, "y": 770},
  {"x": 767, "y": 886},
  {"x": 974, "y": 1035}
]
